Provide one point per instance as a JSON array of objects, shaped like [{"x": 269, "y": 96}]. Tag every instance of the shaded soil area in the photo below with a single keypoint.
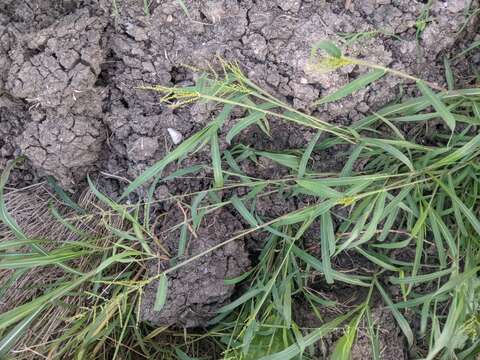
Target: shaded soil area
[{"x": 70, "y": 102}]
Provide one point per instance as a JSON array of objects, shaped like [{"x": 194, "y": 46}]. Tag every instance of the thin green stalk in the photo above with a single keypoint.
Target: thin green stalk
[{"x": 391, "y": 71}]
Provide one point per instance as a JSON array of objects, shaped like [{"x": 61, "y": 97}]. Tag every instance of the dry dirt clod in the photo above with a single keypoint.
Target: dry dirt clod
[
  {"x": 197, "y": 290},
  {"x": 142, "y": 149},
  {"x": 55, "y": 70}
]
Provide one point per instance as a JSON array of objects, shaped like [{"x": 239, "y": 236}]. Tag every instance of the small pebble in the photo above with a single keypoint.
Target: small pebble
[{"x": 176, "y": 136}]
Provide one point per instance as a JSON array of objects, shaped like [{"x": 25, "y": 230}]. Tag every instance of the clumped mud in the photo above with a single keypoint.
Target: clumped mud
[
  {"x": 53, "y": 71},
  {"x": 75, "y": 68},
  {"x": 197, "y": 290},
  {"x": 70, "y": 102}
]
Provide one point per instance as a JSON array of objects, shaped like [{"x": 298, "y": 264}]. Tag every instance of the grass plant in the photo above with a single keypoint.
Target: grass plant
[{"x": 412, "y": 195}]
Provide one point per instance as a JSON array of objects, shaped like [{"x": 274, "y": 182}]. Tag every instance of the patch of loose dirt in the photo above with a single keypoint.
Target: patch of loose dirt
[{"x": 196, "y": 291}]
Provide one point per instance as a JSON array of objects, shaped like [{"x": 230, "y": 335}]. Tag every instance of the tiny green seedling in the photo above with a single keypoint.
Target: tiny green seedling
[{"x": 422, "y": 21}]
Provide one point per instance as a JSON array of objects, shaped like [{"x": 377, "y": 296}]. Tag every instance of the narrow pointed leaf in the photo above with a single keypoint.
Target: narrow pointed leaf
[
  {"x": 437, "y": 104},
  {"x": 216, "y": 160},
  {"x": 327, "y": 235},
  {"x": 161, "y": 296},
  {"x": 329, "y": 47},
  {"x": 184, "y": 148},
  {"x": 319, "y": 189},
  {"x": 402, "y": 322},
  {"x": 306, "y": 155},
  {"x": 10, "y": 339},
  {"x": 352, "y": 86}
]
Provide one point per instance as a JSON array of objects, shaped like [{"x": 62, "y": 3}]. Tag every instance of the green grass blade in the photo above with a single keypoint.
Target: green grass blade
[
  {"x": 343, "y": 346},
  {"x": 387, "y": 226},
  {"x": 317, "y": 188},
  {"x": 242, "y": 299},
  {"x": 411, "y": 106},
  {"x": 327, "y": 238},
  {"x": 21, "y": 262},
  {"x": 424, "y": 314},
  {"x": 122, "y": 211},
  {"x": 308, "y": 259},
  {"x": 374, "y": 258},
  {"x": 181, "y": 3},
  {"x": 287, "y": 303},
  {"x": 352, "y": 86},
  {"x": 227, "y": 109},
  {"x": 56, "y": 214},
  {"x": 468, "y": 213},
  {"x": 448, "y": 74},
  {"x": 238, "y": 279},
  {"x": 306, "y": 155},
  {"x": 299, "y": 338},
  {"x": 5, "y": 217},
  {"x": 247, "y": 121},
  {"x": 329, "y": 47},
  {"x": 197, "y": 215},
  {"x": 318, "y": 265},
  {"x": 62, "y": 194},
  {"x": 437, "y": 104},
  {"x": 181, "y": 150},
  {"x": 394, "y": 245},
  {"x": 354, "y": 155},
  {"x": 10, "y": 245},
  {"x": 126, "y": 323},
  {"x": 374, "y": 221},
  {"x": 242, "y": 209},
  {"x": 9, "y": 340},
  {"x": 360, "y": 222},
  {"x": 420, "y": 278},
  {"x": 397, "y": 201},
  {"x": 476, "y": 110},
  {"x": 473, "y": 46},
  {"x": 464, "y": 152},
  {"x": 182, "y": 241},
  {"x": 293, "y": 350},
  {"x": 450, "y": 327},
  {"x": 161, "y": 295},
  {"x": 452, "y": 283},
  {"x": 437, "y": 237},
  {"x": 351, "y": 279},
  {"x": 445, "y": 231},
  {"x": 373, "y": 336},
  {"x": 181, "y": 355},
  {"x": 10, "y": 222},
  {"x": 216, "y": 160},
  {"x": 402, "y": 322},
  {"x": 182, "y": 172},
  {"x": 287, "y": 160},
  {"x": 391, "y": 150},
  {"x": 20, "y": 312}
]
